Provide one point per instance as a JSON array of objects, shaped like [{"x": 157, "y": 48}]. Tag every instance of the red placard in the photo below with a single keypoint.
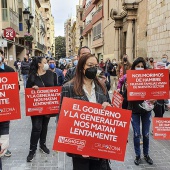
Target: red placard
[
  {"x": 45, "y": 100},
  {"x": 147, "y": 84},
  {"x": 161, "y": 128},
  {"x": 85, "y": 128},
  {"x": 9, "y": 33},
  {"x": 117, "y": 99},
  {"x": 9, "y": 97}
]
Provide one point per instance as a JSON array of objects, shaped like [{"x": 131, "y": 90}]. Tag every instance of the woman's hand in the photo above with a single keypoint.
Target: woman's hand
[
  {"x": 152, "y": 101},
  {"x": 105, "y": 104},
  {"x": 35, "y": 87},
  {"x": 85, "y": 156}
]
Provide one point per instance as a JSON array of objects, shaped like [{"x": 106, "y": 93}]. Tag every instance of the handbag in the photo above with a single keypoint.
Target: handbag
[{"x": 105, "y": 164}]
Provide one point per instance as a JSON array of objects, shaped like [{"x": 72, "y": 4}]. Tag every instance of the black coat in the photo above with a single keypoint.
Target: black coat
[{"x": 67, "y": 91}]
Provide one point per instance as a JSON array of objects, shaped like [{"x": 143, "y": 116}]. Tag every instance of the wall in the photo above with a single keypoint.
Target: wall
[{"x": 158, "y": 28}]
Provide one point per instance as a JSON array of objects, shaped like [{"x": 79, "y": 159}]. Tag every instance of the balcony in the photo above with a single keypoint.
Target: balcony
[
  {"x": 84, "y": 3},
  {"x": 89, "y": 8},
  {"x": 87, "y": 28},
  {"x": 97, "y": 15},
  {"x": 97, "y": 41},
  {"x": 95, "y": 1},
  {"x": 41, "y": 47}
]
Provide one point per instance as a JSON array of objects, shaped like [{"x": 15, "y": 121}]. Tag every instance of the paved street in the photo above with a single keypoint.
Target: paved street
[{"x": 19, "y": 146}]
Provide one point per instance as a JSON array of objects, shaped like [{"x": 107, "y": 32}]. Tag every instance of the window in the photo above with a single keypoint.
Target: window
[
  {"x": 81, "y": 30},
  {"x": 97, "y": 30},
  {"x": 4, "y": 10},
  {"x": 20, "y": 19}
]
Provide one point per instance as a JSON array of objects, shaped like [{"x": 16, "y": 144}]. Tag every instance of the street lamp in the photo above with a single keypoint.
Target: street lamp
[
  {"x": 81, "y": 40},
  {"x": 52, "y": 50},
  {"x": 29, "y": 21}
]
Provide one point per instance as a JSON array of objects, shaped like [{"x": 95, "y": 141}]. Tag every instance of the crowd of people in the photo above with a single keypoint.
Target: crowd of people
[{"x": 85, "y": 78}]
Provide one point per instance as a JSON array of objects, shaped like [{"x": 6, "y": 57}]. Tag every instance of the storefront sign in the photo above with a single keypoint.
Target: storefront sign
[
  {"x": 9, "y": 97},
  {"x": 9, "y": 33},
  {"x": 84, "y": 128},
  {"x": 43, "y": 101},
  {"x": 161, "y": 128},
  {"x": 147, "y": 84},
  {"x": 117, "y": 99}
]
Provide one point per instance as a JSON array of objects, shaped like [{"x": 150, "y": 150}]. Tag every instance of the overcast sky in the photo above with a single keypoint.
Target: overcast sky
[{"x": 62, "y": 10}]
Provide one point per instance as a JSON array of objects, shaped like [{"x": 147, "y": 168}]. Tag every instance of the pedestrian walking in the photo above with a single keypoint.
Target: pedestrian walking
[
  {"x": 86, "y": 86},
  {"x": 17, "y": 65},
  {"x": 25, "y": 67},
  {"x": 39, "y": 76},
  {"x": 142, "y": 114}
]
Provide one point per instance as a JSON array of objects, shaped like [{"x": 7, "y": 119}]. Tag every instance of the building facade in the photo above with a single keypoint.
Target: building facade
[{"x": 158, "y": 29}]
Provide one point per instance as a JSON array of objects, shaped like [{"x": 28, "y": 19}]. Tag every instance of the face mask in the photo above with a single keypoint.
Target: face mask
[
  {"x": 75, "y": 62},
  {"x": 91, "y": 72},
  {"x": 114, "y": 62},
  {"x": 164, "y": 60},
  {"x": 139, "y": 68},
  {"x": 151, "y": 61},
  {"x": 46, "y": 67},
  {"x": 124, "y": 59},
  {"x": 52, "y": 66}
]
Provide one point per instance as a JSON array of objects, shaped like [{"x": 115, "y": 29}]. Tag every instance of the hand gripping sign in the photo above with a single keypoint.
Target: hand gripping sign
[
  {"x": 117, "y": 99},
  {"x": 9, "y": 97},
  {"x": 43, "y": 101},
  {"x": 147, "y": 84},
  {"x": 161, "y": 128},
  {"x": 84, "y": 128}
]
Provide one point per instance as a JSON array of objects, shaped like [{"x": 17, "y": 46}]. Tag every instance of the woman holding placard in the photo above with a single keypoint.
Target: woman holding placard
[
  {"x": 141, "y": 112},
  {"x": 39, "y": 76},
  {"x": 86, "y": 86}
]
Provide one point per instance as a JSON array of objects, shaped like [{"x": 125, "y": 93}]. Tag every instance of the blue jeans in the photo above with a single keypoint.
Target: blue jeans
[
  {"x": 25, "y": 77},
  {"x": 146, "y": 120}
]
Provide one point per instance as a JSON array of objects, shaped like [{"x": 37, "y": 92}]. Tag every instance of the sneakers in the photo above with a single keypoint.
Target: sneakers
[
  {"x": 8, "y": 153},
  {"x": 137, "y": 160},
  {"x": 30, "y": 156},
  {"x": 44, "y": 149},
  {"x": 148, "y": 159}
]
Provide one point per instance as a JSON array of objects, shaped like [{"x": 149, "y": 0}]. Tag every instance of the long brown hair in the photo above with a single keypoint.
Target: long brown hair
[{"x": 79, "y": 76}]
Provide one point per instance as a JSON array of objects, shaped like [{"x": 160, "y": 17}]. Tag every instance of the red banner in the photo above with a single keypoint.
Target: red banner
[
  {"x": 43, "y": 101},
  {"x": 147, "y": 84},
  {"x": 9, "y": 97},
  {"x": 161, "y": 128},
  {"x": 84, "y": 128},
  {"x": 117, "y": 99}
]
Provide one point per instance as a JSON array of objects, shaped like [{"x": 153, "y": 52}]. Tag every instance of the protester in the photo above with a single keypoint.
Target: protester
[
  {"x": 102, "y": 65},
  {"x": 63, "y": 65},
  {"x": 123, "y": 66},
  {"x": 151, "y": 63},
  {"x": 143, "y": 114},
  {"x": 59, "y": 73},
  {"x": 39, "y": 76},
  {"x": 113, "y": 75},
  {"x": 3, "y": 69},
  {"x": 71, "y": 72},
  {"x": 25, "y": 66},
  {"x": 17, "y": 65},
  {"x": 85, "y": 86},
  {"x": 165, "y": 59},
  {"x": 106, "y": 68},
  {"x": 75, "y": 61}
]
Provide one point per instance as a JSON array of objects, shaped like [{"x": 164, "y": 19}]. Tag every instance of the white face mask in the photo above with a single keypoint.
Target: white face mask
[
  {"x": 139, "y": 68},
  {"x": 46, "y": 67}
]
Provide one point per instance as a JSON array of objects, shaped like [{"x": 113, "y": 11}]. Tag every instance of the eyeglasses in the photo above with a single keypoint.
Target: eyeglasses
[{"x": 92, "y": 65}]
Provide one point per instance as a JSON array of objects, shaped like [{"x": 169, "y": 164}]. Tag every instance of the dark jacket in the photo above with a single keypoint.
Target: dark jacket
[
  {"x": 4, "y": 128},
  {"x": 25, "y": 67},
  {"x": 67, "y": 91},
  {"x": 69, "y": 75},
  {"x": 60, "y": 76},
  {"x": 7, "y": 69}
]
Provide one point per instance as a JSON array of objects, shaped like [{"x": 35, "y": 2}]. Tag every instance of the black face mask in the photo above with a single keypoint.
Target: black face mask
[
  {"x": 124, "y": 59},
  {"x": 151, "y": 61},
  {"x": 91, "y": 72}
]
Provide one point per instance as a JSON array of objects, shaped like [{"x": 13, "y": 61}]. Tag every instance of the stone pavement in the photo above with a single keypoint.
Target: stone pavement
[{"x": 19, "y": 146}]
